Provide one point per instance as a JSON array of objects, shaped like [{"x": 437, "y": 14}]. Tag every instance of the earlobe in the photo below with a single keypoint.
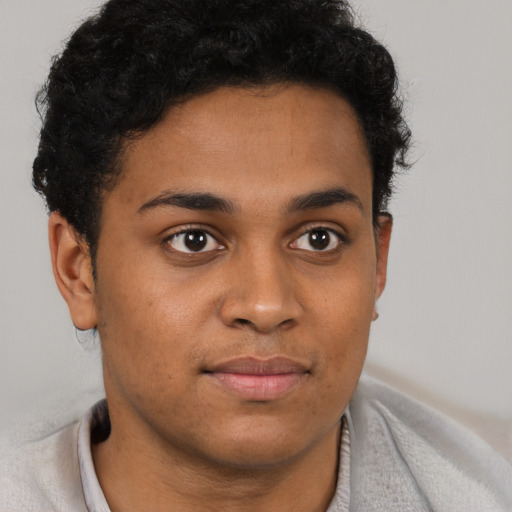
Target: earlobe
[
  {"x": 72, "y": 270},
  {"x": 383, "y": 237}
]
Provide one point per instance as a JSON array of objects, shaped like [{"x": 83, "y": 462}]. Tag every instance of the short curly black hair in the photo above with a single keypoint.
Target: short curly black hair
[{"x": 123, "y": 68}]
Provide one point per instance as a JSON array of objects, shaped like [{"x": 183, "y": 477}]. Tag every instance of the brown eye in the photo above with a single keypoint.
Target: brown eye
[
  {"x": 193, "y": 241},
  {"x": 318, "y": 239}
]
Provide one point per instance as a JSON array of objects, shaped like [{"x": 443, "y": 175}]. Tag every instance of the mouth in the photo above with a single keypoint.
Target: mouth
[{"x": 260, "y": 380}]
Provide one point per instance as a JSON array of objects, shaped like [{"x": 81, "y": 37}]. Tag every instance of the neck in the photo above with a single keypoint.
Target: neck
[{"x": 138, "y": 471}]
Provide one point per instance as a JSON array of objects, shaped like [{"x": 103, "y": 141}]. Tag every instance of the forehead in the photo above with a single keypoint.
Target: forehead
[{"x": 262, "y": 140}]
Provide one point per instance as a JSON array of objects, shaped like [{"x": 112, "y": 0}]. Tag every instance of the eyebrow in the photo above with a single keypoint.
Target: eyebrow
[
  {"x": 209, "y": 202},
  {"x": 324, "y": 199},
  {"x": 191, "y": 201}
]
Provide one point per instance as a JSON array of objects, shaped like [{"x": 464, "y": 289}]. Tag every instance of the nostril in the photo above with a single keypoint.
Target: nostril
[
  {"x": 242, "y": 321},
  {"x": 260, "y": 327}
]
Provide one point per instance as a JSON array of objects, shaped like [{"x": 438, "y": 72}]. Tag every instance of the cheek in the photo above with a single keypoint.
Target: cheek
[
  {"x": 343, "y": 317},
  {"x": 147, "y": 327},
  {"x": 344, "y": 301},
  {"x": 144, "y": 299}
]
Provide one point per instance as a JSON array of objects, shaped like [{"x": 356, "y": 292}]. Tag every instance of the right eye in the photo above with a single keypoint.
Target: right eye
[
  {"x": 318, "y": 240},
  {"x": 193, "y": 241}
]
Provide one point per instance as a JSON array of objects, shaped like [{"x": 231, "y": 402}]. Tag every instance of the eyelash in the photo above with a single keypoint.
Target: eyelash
[{"x": 308, "y": 231}]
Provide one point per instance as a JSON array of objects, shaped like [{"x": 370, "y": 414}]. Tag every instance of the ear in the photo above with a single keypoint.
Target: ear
[
  {"x": 72, "y": 270},
  {"x": 383, "y": 237}
]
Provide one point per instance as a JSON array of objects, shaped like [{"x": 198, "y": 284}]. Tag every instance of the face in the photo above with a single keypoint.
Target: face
[{"x": 237, "y": 272}]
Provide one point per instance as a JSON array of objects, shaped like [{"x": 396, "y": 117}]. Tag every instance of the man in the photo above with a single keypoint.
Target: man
[{"x": 217, "y": 175}]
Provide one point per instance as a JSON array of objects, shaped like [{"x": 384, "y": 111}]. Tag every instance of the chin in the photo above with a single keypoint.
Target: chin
[{"x": 260, "y": 445}]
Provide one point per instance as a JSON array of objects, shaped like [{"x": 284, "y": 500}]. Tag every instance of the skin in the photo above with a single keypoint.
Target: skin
[{"x": 182, "y": 440}]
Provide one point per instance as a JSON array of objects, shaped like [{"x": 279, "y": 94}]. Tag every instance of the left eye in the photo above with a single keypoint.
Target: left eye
[
  {"x": 319, "y": 239},
  {"x": 193, "y": 241}
]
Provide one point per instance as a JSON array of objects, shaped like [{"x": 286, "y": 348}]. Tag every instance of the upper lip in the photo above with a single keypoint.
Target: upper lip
[{"x": 259, "y": 366}]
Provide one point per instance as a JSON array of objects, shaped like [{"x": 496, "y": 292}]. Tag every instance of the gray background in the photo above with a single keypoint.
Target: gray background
[{"x": 444, "y": 328}]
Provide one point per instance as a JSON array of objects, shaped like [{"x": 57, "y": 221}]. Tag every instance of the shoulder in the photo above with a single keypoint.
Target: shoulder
[
  {"x": 406, "y": 456},
  {"x": 43, "y": 475}
]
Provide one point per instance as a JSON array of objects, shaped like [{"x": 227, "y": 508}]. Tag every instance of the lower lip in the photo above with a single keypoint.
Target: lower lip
[{"x": 260, "y": 388}]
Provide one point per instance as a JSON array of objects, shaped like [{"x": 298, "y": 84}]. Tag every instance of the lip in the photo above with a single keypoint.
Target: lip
[{"x": 256, "y": 379}]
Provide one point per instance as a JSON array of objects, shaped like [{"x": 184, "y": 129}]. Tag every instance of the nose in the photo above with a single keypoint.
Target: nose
[{"x": 261, "y": 295}]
